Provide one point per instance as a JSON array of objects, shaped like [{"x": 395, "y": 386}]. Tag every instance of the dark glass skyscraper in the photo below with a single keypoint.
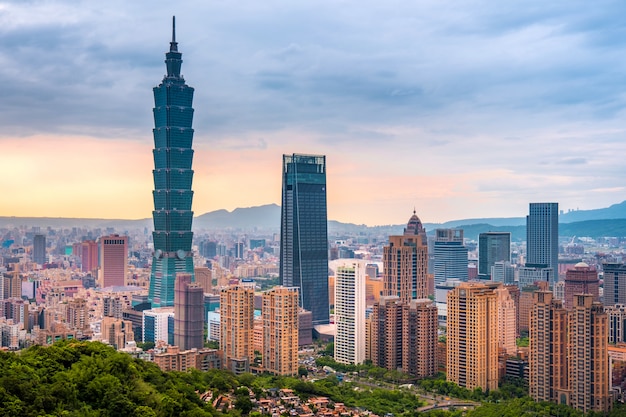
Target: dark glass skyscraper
[
  {"x": 172, "y": 174},
  {"x": 304, "y": 232},
  {"x": 492, "y": 247},
  {"x": 542, "y": 237}
]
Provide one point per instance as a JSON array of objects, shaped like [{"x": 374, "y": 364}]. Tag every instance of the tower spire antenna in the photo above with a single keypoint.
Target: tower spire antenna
[{"x": 173, "y": 44}]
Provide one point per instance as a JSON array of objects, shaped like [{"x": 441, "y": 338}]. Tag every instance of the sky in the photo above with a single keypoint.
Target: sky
[{"x": 457, "y": 109}]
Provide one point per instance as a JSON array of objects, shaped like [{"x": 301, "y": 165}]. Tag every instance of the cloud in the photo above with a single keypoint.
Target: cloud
[{"x": 529, "y": 92}]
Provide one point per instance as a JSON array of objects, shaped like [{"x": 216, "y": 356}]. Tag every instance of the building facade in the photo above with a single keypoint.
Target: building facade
[
  {"x": 614, "y": 284},
  {"x": 582, "y": 279},
  {"x": 450, "y": 256},
  {"x": 542, "y": 237},
  {"x": 189, "y": 316},
  {"x": 588, "y": 356},
  {"x": 39, "y": 249},
  {"x": 304, "y": 232},
  {"x": 350, "y": 300},
  {"x": 113, "y": 260},
  {"x": 280, "y": 330},
  {"x": 548, "y": 375},
  {"x": 492, "y": 247},
  {"x": 172, "y": 174},
  {"x": 237, "y": 327},
  {"x": 472, "y": 341},
  {"x": 405, "y": 264}
]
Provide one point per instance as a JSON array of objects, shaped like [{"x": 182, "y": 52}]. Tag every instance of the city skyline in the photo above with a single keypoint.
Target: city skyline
[{"x": 461, "y": 113}]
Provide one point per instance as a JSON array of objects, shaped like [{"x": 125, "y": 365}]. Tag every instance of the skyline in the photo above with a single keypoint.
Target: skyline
[{"x": 431, "y": 106}]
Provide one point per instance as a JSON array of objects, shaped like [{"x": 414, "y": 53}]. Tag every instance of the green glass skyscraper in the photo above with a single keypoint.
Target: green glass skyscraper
[
  {"x": 173, "y": 175},
  {"x": 304, "y": 232}
]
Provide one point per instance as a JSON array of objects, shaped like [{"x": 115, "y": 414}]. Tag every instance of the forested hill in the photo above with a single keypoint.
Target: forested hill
[{"x": 91, "y": 379}]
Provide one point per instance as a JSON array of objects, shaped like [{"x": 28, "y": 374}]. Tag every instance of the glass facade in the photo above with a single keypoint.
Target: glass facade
[
  {"x": 172, "y": 195},
  {"x": 304, "y": 232}
]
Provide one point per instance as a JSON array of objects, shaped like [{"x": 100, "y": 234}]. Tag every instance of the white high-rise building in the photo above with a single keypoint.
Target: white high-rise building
[{"x": 350, "y": 288}]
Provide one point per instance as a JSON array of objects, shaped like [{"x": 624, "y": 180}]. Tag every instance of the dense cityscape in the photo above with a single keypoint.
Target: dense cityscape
[{"x": 425, "y": 309}]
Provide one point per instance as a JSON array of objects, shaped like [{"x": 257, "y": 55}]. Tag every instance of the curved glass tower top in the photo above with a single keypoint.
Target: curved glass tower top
[{"x": 172, "y": 195}]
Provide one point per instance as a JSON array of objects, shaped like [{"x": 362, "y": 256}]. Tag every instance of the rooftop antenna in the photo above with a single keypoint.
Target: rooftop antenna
[{"x": 173, "y": 44}]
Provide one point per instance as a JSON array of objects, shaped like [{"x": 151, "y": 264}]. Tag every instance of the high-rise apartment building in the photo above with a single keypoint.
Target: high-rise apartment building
[
  {"x": 350, "y": 300},
  {"x": 39, "y": 249},
  {"x": 548, "y": 348},
  {"x": 405, "y": 264},
  {"x": 614, "y": 284},
  {"x": 507, "y": 316},
  {"x": 472, "y": 342},
  {"x": 569, "y": 361},
  {"x": 419, "y": 345},
  {"x": 582, "y": 279},
  {"x": 188, "y": 313},
  {"x": 304, "y": 232},
  {"x": 113, "y": 260},
  {"x": 386, "y": 332},
  {"x": 280, "y": 330},
  {"x": 450, "y": 256},
  {"x": 237, "y": 327},
  {"x": 588, "y": 356},
  {"x": 542, "y": 237},
  {"x": 403, "y": 335},
  {"x": 173, "y": 136},
  {"x": 492, "y": 247}
]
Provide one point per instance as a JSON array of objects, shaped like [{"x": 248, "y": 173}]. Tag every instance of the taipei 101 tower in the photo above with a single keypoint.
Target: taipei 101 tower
[{"x": 172, "y": 174}]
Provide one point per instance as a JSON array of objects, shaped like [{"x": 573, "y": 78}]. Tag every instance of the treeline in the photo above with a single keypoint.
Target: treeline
[{"x": 91, "y": 379}]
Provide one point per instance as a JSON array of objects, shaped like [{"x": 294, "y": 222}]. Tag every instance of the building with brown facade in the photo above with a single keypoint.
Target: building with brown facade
[
  {"x": 582, "y": 279},
  {"x": 188, "y": 313},
  {"x": 472, "y": 341},
  {"x": 405, "y": 264},
  {"x": 280, "y": 330},
  {"x": 237, "y": 327}
]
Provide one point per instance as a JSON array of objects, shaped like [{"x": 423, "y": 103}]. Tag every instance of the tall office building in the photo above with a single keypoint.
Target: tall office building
[
  {"x": 39, "y": 249},
  {"x": 548, "y": 348},
  {"x": 614, "y": 284},
  {"x": 617, "y": 323},
  {"x": 304, "y": 232},
  {"x": 582, "y": 279},
  {"x": 588, "y": 356},
  {"x": 173, "y": 136},
  {"x": 113, "y": 260},
  {"x": 237, "y": 327},
  {"x": 472, "y": 343},
  {"x": 88, "y": 256},
  {"x": 280, "y": 330},
  {"x": 405, "y": 264},
  {"x": 450, "y": 256},
  {"x": 542, "y": 237},
  {"x": 492, "y": 247},
  {"x": 188, "y": 313},
  {"x": 350, "y": 300},
  {"x": 504, "y": 272}
]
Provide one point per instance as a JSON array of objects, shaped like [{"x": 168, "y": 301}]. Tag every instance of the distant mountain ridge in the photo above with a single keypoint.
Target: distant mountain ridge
[{"x": 267, "y": 218}]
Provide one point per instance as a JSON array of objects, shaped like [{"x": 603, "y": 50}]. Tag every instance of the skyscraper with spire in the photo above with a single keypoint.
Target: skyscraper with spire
[{"x": 173, "y": 136}]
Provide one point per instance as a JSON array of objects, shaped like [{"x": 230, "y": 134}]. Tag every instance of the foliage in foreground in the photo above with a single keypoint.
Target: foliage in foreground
[{"x": 91, "y": 379}]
